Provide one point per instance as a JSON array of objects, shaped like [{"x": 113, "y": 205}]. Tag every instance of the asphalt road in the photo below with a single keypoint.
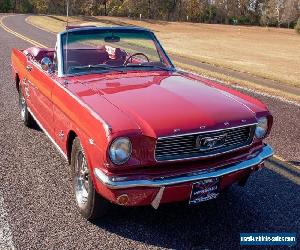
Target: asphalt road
[{"x": 37, "y": 209}]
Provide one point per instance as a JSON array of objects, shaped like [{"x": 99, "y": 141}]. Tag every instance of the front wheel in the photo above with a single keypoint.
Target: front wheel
[
  {"x": 91, "y": 205},
  {"x": 25, "y": 115}
]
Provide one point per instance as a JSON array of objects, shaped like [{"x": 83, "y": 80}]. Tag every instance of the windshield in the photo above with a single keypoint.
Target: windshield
[{"x": 88, "y": 51}]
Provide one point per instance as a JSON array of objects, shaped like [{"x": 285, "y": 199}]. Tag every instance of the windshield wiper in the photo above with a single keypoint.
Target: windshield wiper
[
  {"x": 148, "y": 66},
  {"x": 98, "y": 66}
]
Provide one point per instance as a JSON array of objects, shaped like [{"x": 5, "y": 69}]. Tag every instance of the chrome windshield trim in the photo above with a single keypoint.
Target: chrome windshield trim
[
  {"x": 59, "y": 44},
  {"x": 106, "y": 28},
  {"x": 121, "y": 182},
  {"x": 59, "y": 55},
  {"x": 121, "y": 70}
]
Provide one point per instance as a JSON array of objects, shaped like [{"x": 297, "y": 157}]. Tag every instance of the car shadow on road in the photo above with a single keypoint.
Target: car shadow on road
[
  {"x": 264, "y": 205},
  {"x": 35, "y": 126}
]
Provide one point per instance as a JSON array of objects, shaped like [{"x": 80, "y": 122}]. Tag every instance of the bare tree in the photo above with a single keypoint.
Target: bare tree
[
  {"x": 271, "y": 12},
  {"x": 265, "y": 12},
  {"x": 290, "y": 12},
  {"x": 279, "y": 7}
]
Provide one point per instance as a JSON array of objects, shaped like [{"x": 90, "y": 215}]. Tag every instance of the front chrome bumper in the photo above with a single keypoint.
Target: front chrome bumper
[{"x": 121, "y": 182}]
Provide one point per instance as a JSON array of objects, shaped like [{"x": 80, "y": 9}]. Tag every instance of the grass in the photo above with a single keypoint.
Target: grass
[{"x": 234, "y": 82}]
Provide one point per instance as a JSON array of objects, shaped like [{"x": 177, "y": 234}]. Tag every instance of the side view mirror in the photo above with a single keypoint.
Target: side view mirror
[{"x": 47, "y": 64}]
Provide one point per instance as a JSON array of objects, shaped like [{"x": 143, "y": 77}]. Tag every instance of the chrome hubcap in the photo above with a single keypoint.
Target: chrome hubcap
[
  {"x": 22, "y": 104},
  {"x": 81, "y": 180}
]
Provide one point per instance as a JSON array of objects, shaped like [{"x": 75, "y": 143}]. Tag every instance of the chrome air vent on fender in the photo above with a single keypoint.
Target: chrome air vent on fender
[{"x": 203, "y": 144}]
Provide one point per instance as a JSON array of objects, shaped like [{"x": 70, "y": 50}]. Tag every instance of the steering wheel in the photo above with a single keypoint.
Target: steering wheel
[{"x": 135, "y": 54}]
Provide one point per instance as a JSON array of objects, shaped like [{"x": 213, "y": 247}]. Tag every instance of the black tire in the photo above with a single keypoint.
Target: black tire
[
  {"x": 25, "y": 115},
  {"x": 91, "y": 206}
]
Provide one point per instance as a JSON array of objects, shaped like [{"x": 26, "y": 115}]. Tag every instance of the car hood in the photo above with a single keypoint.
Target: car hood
[{"x": 162, "y": 103}]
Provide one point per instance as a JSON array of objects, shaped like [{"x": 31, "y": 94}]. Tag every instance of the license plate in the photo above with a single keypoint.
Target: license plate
[{"x": 204, "y": 190}]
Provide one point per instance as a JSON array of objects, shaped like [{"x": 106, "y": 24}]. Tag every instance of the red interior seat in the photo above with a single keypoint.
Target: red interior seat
[
  {"x": 87, "y": 56},
  {"x": 120, "y": 57},
  {"x": 39, "y": 53}
]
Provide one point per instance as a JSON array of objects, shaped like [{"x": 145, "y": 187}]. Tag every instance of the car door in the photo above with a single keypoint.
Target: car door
[{"x": 41, "y": 86}]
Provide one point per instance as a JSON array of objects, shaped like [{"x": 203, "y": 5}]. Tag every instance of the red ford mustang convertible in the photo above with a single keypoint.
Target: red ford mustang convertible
[{"x": 135, "y": 130}]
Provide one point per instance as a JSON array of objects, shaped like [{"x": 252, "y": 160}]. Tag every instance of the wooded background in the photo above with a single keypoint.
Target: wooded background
[{"x": 281, "y": 13}]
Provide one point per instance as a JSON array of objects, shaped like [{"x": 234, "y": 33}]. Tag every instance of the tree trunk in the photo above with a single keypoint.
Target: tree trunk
[{"x": 149, "y": 9}]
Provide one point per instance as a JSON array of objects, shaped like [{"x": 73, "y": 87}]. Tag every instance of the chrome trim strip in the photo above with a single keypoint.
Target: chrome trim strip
[
  {"x": 203, "y": 132},
  {"x": 59, "y": 48},
  {"x": 44, "y": 130},
  {"x": 116, "y": 182},
  {"x": 106, "y": 28},
  {"x": 164, "y": 52},
  {"x": 208, "y": 131}
]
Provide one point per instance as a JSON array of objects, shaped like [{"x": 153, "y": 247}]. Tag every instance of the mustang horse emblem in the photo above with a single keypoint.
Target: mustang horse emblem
[{"x": 207, "y": 143}]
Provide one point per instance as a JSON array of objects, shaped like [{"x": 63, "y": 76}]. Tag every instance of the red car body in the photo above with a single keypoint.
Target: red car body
[{"x": 142, "y": 106}]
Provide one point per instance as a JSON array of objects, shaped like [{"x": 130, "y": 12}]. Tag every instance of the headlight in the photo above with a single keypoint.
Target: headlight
[
  {"x": 120, "y": 150},
  {"x": 261, "y": 128}
]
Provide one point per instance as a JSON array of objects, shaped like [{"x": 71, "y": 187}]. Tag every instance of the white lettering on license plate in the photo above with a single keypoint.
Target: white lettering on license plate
[{"x": 204, "y": 190}]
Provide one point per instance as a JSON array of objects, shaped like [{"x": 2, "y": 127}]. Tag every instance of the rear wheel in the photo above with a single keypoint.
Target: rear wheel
[
  {"x": 25, "y": 115},
  {"x": 91, "y": 205}
]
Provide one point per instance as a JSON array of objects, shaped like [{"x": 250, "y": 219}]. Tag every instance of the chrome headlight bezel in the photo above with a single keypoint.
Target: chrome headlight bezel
[
  {"x": 126, "y": 150},
  {"x": 261, "y": 127}
]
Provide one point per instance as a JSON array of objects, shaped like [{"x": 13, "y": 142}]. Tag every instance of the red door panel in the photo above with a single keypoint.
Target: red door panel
[{"x": 41, "y": 86}]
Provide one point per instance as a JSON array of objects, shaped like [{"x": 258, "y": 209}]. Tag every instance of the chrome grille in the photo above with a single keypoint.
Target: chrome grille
[{"x": 190, "y": 145}]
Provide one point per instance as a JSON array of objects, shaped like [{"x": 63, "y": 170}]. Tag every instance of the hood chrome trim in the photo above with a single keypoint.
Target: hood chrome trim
[{"x": 208, "y": 131}]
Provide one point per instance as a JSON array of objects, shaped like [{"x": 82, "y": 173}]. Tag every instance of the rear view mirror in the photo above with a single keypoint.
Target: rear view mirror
[
  {"x": 112, "y": 39},
  {"x": 47, "y": 64}
]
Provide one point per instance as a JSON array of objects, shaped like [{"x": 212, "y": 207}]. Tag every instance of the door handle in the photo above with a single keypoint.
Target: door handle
[{"x": 28, "y": 68}]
